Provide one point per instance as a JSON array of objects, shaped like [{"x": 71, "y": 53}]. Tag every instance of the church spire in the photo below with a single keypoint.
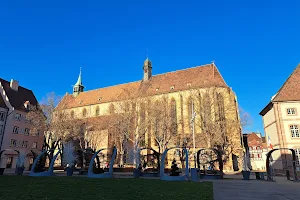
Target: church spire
[
  {"x": 78, "y": 87},
  {"x": 79, "y": 82},
  {"x": 147, "y": 69}
]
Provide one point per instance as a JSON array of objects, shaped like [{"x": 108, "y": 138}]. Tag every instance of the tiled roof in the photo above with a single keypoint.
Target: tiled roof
[
  {"x": 254, "y": 140},
  {"x": 196, "y": 77},
  {"x": 290, "y": 89},
  {"x": 18, "y": 98},
  {"x": 2, "y": 103}
]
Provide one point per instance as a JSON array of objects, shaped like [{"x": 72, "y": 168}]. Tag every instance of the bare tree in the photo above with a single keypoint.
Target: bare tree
[
  {"x": 129, "y": 123},
  {"x": 162, "y": 115},
  {"x": 55, "y": 124},
  {"x": 217, "y": 122}
]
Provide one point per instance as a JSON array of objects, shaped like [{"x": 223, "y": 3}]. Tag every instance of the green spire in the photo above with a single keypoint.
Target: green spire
[
  {"x": 79, "y": 81},
  {"x": 78, "y": 87}
]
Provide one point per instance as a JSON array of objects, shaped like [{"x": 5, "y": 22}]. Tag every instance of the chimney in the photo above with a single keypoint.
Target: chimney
[{"x": 14, "y": 84}]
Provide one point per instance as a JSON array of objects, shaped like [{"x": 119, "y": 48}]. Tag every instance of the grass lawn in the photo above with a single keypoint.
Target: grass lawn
[{"x": 55, "y": 188}]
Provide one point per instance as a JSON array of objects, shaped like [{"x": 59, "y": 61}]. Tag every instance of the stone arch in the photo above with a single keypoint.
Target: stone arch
[
  {"x": 154, "y": 153},
  {"x": 50, "y": 170},
  {"x": 108, "y": 174},
  {"x": 269, "y": 177},
  {"x": 219, "y": 158},
  {"x": 165, "y": 177}
]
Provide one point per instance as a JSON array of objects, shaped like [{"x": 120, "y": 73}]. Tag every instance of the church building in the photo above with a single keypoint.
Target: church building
[{"x": 168, "y": 110}]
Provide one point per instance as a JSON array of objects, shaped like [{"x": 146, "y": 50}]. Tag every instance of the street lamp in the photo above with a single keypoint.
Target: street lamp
[{"x": 193, "y": 129}]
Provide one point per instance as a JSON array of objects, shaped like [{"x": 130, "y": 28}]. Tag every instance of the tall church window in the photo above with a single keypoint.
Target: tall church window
[
  {"x": 84, "y": 112},
  {"x": 97, "y": 111},
  {"x": 127, "y": 107},
  {"x": 111, "y": 109},
  {"x": 220, "y": 110},
  {"x": 206, "y": 111},
  {"x": 190, "y": 107},
  {"x": 190, "y": 110},
  {"x": 173, "y": 116},
  {"x": 72, "y": 114}
]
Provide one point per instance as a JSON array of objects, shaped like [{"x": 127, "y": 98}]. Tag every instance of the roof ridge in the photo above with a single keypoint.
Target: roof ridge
[
  {"x": 154, "y": 76},
  {"x": 274, "y": 99},
  {"x": 111, "y": 86},
  {"x": 214, "y": 65},
  {"x": 18, "y": 86},
  {"x": 182, "y": 69}
]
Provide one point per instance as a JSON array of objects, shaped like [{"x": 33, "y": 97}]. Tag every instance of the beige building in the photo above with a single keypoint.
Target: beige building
[
  {"x": 282, "y": 120},
  {"x": 15, "y": 133},
  {"x": 198, "y": 86}
]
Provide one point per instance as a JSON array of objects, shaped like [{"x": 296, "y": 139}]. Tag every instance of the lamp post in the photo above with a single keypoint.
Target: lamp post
[{"x": 193, "y": 130}]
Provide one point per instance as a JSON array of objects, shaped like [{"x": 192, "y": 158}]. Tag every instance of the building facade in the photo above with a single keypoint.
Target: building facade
[
  {"x": 15, "y": 102},
  {"x": 201, "y": 89},
  {"x": 257, "y": 151},
  {"x": 282, "y": 121}
]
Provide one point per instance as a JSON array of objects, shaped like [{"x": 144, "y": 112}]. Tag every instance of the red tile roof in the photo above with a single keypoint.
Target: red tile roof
[
  {"x": 290, "y": 89},
  {"x": 18, "y": 98},
  {"x": 254, "y": 140},
  {"x": 196, "y": 77}
]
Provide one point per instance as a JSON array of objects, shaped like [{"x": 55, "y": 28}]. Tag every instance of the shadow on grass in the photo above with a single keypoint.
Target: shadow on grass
[{"x": 53, "y": 188}]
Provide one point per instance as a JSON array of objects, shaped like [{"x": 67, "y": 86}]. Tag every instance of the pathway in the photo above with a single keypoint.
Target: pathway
[{"x": 256, "y": 189}]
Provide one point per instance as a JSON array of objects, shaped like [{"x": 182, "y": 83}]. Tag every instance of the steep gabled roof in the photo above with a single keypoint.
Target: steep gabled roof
[
  {"x": 290, "y": 89},
  {"x": 18, "y": 98},
  {"x": 2, "y": 103},
  {"x": 196, "y": 77}
]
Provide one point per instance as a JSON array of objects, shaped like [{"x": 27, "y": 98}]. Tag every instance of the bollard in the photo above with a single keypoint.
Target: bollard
[
  {"x": 288, "y": 174},
  {"x": 262, "y": 176},
  {"x": 257, "y": 176},
  {"x": 194, "y": 174}
]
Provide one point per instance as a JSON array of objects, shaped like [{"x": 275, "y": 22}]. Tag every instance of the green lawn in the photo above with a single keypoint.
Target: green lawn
[{"x": 65, "y": 188}]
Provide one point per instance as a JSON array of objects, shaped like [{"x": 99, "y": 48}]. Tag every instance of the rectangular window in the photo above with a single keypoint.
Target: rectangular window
[
  {"x": 34, "y": 145},
  {"x": 27, "y": 120},
  {"x": 24, "y": 144},
  {"x": 26, "y": 132},
  {"x": 257, "y": 148},
  {"x": 258, "y": 155},
  {"x": 13, "y": 143},
  {"x": 2, "y": 116},
  {"x": 291, "y": 111},
  {"x": 294, "y": 131},
  {"x": 18, "y": 117},
  {"x": 16, "y": 130},
  {"x": 37, "y": 133}
]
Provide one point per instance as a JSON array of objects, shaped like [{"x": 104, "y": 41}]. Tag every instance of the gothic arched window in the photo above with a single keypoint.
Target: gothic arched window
[
  {"x": 72, "y": 114},
  {"x": 111, "y": 109},
  {"x": 190, "y": 107},
  {"x": 97, "y": 111},
  {"x": 84, "y": 112},
  {"x": 173, "y": 116},
  {"x": 220, "y": 104}
]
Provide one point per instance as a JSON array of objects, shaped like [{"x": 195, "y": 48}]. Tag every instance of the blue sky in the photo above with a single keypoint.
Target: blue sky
[{"x": 255, "y": 44}]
